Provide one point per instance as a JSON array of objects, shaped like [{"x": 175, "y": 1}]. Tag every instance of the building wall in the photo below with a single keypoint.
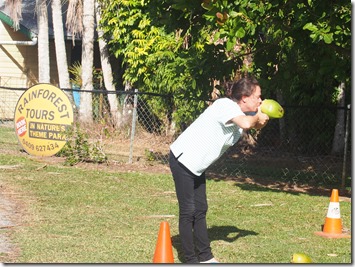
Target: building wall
[{"x": 19, "y": 68}]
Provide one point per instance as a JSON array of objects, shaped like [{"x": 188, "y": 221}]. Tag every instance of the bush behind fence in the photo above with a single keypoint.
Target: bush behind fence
[{"x": 296, "y": 148}]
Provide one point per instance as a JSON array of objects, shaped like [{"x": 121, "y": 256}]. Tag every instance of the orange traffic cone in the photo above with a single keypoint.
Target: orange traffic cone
[
  {"x": 164, "y": 250},
  {"x": 332, "y": 227}
]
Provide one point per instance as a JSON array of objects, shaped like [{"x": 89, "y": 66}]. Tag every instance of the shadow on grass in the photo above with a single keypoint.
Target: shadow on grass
[
  {"x": 290, "y": 188},
  {"x": 224, "y": 233},
  {"x": 267, "y": 184}
]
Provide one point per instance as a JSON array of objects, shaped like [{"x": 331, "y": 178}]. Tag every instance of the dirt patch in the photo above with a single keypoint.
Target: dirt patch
[
  {"x": 6, "y": 208},
  {"x": 10, "y": 214}
]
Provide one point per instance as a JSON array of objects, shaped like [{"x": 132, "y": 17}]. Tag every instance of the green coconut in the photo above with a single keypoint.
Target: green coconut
[
  {"x": 272, "y": 108},
  {"x": 300, "y": 258}
]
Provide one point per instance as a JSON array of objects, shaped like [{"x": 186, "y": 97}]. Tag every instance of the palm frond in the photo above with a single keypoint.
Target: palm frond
[
  {"x": 74, "y": 21},
  {"x": 15, "y": 12}
]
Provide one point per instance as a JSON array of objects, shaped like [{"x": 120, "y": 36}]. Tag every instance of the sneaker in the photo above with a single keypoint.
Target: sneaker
[{"x": 213, "y": 260}]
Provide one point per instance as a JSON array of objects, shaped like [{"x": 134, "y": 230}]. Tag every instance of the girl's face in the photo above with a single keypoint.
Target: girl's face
[{"x": 252, "y": 102}]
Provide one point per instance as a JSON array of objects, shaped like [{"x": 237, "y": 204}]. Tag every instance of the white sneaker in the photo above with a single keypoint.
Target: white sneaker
[{"x": 213, "y": 260}]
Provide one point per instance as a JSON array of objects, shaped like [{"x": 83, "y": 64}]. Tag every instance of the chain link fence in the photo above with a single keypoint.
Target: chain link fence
[
  {"x": 10, "y": 96},
  {"x": 296, "y": 148}
]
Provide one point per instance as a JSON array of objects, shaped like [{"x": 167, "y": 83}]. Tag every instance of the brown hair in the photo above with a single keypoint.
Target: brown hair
[{"x": 243, "y": 87}]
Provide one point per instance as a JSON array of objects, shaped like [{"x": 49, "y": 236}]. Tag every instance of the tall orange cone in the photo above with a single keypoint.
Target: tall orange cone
[
  {"x": 164, "y": 249},
  {"x": 332, "y": 227}
]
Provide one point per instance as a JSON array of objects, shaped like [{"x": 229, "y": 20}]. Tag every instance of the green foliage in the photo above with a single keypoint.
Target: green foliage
[
  {"x": 178, "y": 47},
  {"x": 149, "y": 154},
  {"x": 306, "y": 51},
  {"x": 153, "y": 54},
  {"x": 75, "y": 72},
  {"x": 79, "y": 149},
  {"x": 165, "y": 49}
]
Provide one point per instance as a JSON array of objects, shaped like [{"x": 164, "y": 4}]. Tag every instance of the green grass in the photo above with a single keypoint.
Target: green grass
[{"x": 85, "y": 215}]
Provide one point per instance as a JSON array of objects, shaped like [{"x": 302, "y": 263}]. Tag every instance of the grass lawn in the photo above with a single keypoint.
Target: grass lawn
[{"x": 86, "y": 214}]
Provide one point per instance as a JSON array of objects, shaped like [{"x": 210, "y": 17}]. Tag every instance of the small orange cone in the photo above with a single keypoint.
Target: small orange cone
[
  {"x": 164, "y": 250},
  {"x": 332, "y": 227}
]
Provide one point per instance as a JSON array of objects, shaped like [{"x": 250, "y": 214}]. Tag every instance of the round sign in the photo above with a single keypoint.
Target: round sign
[{"x": 43, "y": 114}]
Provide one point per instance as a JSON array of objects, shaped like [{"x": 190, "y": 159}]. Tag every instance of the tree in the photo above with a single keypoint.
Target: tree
[
  {"x": 163, "y": 51},
  {"x": 107, "y": 71},
  {"x": 87, "y": 58},
  {"x": 150, "y": 38},
  {"x": 340, "y": 126},
  {"x": 43, "y": 42},
  {"x": 60, "y": 48},
  {"x": 300, "y": 51}
]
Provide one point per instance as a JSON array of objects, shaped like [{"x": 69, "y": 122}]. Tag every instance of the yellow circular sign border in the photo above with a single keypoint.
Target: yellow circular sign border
[{"x": 42, "y": 114}]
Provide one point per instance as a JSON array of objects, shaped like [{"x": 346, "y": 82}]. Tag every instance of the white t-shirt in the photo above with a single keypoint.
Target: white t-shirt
[{"x": 208, "y": 137}]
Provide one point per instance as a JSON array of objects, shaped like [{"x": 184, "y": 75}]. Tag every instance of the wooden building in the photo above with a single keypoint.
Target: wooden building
[{"x": 19, "y": 55}]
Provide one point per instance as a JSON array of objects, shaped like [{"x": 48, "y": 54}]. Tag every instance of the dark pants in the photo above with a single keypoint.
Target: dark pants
[{"x": 191, "y": 195}]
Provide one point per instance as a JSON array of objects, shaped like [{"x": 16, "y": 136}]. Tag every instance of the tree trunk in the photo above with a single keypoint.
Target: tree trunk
[
  {"x": 107, "y": 73},
  {"x": 60, "y": 51},
  {"x": 43, "y": 42},
  {"x": 87, "y": 58},
  {"x": 339, "y": 131}
]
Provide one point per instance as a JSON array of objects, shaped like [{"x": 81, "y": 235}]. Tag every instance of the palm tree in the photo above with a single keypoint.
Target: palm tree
[
  {"x": 43, "y": 42},
  {"x": 61, "y": 54},
  {"x": 87, "y": 58},
  {"x": 107, "y": 71},
  {"x": 77, "y": 10}
]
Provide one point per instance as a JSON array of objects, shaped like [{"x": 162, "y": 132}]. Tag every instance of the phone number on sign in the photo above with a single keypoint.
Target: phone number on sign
[{"x": 42, "y": 148}]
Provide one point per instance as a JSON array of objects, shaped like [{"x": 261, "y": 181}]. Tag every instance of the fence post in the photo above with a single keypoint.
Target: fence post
[
  {"x": 134, "y": 115},
  {"x": 343, "y": 178}
]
